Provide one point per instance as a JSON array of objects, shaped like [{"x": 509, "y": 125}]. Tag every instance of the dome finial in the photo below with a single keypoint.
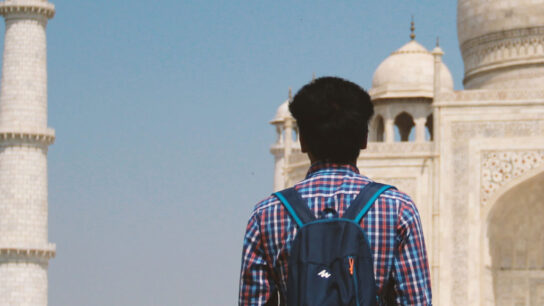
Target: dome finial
[
  {"x": 438, "y": 41},
  {"x": 412, "y": 29},
  {"x": 313, "y": 76},
  {"x": 290, "y": 94}
]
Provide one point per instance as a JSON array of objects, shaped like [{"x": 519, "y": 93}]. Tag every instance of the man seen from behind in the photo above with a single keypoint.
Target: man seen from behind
[{"x": 332, "y": 116}]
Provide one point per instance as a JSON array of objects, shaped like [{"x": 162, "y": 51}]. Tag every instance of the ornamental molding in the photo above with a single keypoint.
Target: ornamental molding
[
  {"x": 46, "y": 136},
  {"x": 411, "y": 52},
  {"x": 497, "y": 36},
  {"x": 398, "y": 148},
  {"x": 518, "y": 46},
  {"x": 501, "y": 167},
  {"x": 523, "y": 95},
  {"x": 515, "y": 33},
  {"x": 46, "y": 9},
  {"x": 31, "y": 253},
  {"x": 400, "y": 100}
]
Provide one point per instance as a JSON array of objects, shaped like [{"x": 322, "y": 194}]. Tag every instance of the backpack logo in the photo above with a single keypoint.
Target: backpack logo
[{"x": 324, "y": 274}]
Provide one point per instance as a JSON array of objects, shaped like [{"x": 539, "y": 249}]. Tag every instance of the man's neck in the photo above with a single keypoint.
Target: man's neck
[{"x": 313, "y": 161}]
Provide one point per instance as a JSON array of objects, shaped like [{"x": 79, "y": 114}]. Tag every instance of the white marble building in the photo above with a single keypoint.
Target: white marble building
[
  {"x": 473, "y": 160},
  {"x": 24, "y": 138}
]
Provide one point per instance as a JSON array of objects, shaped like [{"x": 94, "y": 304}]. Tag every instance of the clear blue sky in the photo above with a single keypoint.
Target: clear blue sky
[{"x": 161, "y": 110}]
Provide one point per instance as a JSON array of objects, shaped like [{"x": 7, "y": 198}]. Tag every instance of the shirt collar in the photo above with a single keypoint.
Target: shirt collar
[{"x": 328, "y": 167}]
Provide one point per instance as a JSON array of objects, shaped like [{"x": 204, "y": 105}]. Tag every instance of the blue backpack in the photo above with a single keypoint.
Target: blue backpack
[{"x": 330, "y": 262}]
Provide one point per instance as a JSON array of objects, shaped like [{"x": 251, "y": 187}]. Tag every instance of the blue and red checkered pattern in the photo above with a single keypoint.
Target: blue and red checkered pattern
[{"x": 392, "y": 226}]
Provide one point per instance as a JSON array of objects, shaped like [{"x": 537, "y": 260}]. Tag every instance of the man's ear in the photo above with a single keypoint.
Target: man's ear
[{"x": 365, "y": 141}]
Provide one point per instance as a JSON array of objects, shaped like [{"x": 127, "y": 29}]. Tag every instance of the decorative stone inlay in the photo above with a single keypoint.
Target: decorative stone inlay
[
  {"x": 498, "y": 168},
  {"x": 500, "y": 47},
  {"x": 46, "y": 9},
  {"x": 455, "y": 211},
  {"x": 462, "y": 131}
]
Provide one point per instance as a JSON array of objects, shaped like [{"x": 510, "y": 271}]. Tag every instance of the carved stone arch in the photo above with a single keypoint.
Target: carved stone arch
[
  {"x": 532, "y": 46},
  {"x": 481, "y": 56},
  {"x": 487, "y": 210},
  {"x": 504, "y": 51},
  {"x": 517, "y": 48},
  {"x": 512, "y": 245},
  {"x": 394, "y": 112},
  {"x": 493, "y": 52},
  {"x": 523, "y": 49},
  {"x": 509, "y": 47},
  {"x": 501, "y": 168}
]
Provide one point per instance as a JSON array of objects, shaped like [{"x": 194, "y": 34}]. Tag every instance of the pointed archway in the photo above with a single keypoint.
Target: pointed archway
[{"x": 515, "y": 235}]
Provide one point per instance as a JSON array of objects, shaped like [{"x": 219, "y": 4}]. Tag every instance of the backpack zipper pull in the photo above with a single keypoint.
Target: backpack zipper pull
[{"x": 351, "y": 265}]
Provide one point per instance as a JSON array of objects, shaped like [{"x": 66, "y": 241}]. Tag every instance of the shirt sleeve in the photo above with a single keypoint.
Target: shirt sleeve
[
  {"x": 256, "y": 285},
  {"x": 410, "y": 267}
]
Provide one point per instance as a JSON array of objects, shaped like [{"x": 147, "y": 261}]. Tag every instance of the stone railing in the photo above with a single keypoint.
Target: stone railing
[
  {"x": 44, "y": 136},
  {"x": 44, "y": 8},
  {"x": 45, "y": 252},
  {"x": 397, "y": 149}
]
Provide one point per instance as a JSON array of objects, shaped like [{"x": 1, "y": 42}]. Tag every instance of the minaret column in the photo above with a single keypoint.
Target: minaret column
[
  {"x": 420, "y": 129},
  {"x": 389, "y": 130},
  {"x": 24, "y": 139},
  {"x": 278, "y": 151},
  {"x": 288, "y": 137},
  {"x": 438, "y": 273}
]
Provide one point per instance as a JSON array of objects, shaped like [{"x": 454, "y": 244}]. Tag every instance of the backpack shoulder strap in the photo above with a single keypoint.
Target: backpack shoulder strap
[
  {"x": 364, "y": 201},
  {"x": 295, "y": 205}
]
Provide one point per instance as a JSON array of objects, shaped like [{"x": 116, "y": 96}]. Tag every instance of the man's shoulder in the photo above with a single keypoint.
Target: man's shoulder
[
  {"x": 403, "y": 202},
  {"x": 398, "y": 195},
  {"x": 267, "y": 203}
]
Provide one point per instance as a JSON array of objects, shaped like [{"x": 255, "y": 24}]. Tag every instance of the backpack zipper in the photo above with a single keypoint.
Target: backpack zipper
[{"x": 353, "y": 273}]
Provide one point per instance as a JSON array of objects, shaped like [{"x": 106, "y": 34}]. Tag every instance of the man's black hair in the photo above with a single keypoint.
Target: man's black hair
[{"x": 332, "y": 115}]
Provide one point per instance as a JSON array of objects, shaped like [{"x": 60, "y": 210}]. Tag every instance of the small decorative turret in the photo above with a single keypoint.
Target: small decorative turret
[
  {"x": 284, "y": 142},
  {"x": 403, "y": 88},
  {"x": 437, "y": 55}
]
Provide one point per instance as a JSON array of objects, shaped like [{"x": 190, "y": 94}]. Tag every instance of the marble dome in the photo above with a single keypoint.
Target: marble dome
[
  {"x": 502, "y": 43},
  {"x": 476, "y": 18},
  {"x": 282, "y": 112},
  {"x": 408, "y": 73}
]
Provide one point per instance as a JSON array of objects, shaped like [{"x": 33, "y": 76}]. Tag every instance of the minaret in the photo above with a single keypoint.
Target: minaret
[
  {"x": 24, "y": 139},
  {"x": 281, "y": 148}
]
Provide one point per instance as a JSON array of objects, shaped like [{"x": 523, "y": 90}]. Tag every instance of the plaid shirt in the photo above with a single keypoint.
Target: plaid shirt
[{"x": 392, "y": 224}]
